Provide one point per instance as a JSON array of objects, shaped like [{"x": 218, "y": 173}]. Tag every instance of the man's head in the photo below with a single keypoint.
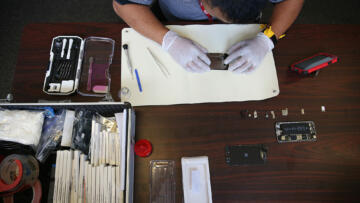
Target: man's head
[{"x": 233, "y": 11}]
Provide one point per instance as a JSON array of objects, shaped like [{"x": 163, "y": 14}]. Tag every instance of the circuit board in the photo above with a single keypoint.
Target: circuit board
[{"x": 295, "y": 131}]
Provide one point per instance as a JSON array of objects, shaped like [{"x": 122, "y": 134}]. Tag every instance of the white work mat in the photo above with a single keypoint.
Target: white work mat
[{"x": 183, "y": 87}]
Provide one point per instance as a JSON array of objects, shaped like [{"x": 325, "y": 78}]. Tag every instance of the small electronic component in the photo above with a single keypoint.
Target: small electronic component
[
  {"x": 217, "y": 61},
  {"x": 266, "y": 115},
  {"x": 255, "y": 114},
  {"x": 285, "y": 112},
  {"x": 295, "y": 131},
  {"x": 323, "y": 109},
  {"x": 272, "y": 114},
  {"x": 245, "y": 154}
]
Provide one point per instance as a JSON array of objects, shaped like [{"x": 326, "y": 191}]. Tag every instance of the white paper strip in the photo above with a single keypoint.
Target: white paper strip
[
  {"x": 68, "y": 128},
  {"x": 121, "y": 122}
]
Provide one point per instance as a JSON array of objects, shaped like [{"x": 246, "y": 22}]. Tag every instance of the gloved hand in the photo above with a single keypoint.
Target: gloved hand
[
  {"x": 246, "y": 56},
  {"x": 191, "y": 56}
]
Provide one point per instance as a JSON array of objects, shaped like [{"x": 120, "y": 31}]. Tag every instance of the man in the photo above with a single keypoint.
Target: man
[{"x": 244, "y": 56}]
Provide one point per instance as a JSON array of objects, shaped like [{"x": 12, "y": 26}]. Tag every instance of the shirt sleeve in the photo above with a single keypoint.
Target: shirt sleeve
[
  {"x": 143, "y": 2},
  {"x": 275, "y": 1}
]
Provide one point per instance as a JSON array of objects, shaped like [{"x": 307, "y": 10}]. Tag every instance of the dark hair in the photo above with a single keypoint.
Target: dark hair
[{"x": 239, "y": 10}]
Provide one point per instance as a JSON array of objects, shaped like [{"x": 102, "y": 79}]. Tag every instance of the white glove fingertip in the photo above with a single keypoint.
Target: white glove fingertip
[
  {"x": 205, "y": 58},
  {"x": 201, "y": 65},
  {"x": 194, "y": 67},
  {"x": 236, "y": 46},
  {"x": 237, "y": 63},
  {"x": 242, "y": 68},
  {"x": 232, "y": 57},
  {"x": 250, "y": 70},
  {"x": 189, "y": 68},
  {"x": 233, "y": 67}
]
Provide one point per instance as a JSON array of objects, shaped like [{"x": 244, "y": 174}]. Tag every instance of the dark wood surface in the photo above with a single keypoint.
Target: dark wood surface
[{"x": 327, "y": 170}]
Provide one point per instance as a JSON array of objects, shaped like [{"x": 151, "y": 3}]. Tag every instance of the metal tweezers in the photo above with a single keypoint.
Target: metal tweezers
[{"x": 162, "y": 68}]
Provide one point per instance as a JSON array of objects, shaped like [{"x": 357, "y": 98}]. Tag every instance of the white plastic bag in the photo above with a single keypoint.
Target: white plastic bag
[{"x": 21, "y": 126}]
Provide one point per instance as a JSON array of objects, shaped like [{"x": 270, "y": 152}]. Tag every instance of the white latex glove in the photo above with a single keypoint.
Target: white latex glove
[
  {"x": 246, "y": 56},
  {"x": 191, "y": 56}
]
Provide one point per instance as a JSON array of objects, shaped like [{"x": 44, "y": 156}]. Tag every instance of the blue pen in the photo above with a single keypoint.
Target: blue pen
[{"x": 138, "y": 80}]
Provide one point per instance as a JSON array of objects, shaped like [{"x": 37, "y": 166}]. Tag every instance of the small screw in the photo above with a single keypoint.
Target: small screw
[
  {"x": 255, "y": 114},
  {"x": 266, "y": 115}
]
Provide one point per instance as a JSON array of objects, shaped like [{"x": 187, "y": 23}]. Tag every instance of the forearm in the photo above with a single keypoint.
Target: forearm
[
  {"x": 284, "y": 15},
  {"x": 142, "y": 19}
]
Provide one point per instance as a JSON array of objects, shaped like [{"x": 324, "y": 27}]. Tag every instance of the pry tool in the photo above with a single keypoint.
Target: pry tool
[
  {"x": 69, "y": 49},
  {"x": 63, "y": 48}
]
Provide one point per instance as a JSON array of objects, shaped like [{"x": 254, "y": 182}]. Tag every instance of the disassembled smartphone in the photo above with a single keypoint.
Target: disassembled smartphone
[
  {"x": 217, "y": 61},
  {"x": 295, "y": 131},
  {"x": 313, "y": 63},
  {"x": 245, "y": 154}
]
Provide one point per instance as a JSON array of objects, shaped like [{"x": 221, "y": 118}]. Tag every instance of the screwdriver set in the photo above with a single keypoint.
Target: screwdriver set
[{"x": 78, "y": 65}]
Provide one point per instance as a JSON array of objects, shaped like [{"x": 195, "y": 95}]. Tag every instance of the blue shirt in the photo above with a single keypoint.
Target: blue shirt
[{"x": 179, "y": 9}]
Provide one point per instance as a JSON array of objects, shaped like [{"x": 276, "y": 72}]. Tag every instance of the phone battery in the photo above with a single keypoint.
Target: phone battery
[{"x": 295, "y": 131}]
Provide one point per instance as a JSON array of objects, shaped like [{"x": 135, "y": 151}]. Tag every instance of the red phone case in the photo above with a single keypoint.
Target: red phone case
[{"x": 293, "y": 67}]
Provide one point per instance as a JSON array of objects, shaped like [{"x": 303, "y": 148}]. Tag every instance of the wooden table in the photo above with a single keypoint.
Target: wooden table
[{"x": 326, "y": 170}]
